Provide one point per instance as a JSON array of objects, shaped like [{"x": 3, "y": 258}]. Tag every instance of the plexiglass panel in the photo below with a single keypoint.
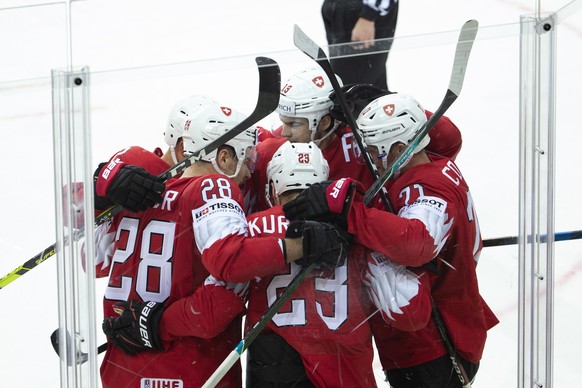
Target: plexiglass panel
[{"x": 146, "y": 55}]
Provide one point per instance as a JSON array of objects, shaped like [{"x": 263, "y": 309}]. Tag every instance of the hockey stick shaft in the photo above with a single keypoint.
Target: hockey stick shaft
[
  {"x": 462, "y": 53},
  {"x": 269, "y": 88},
  {"x": 243, "y": 345},
  {"x": 512, "y": 240},
  {"x": 312, "y": 50},
  {"x": 455, "y": 361}
]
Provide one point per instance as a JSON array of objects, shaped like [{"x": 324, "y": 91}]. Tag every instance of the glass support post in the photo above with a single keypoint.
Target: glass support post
[
  {"x": 536, "y": 200},
  {"x": 76, "y": 271}
]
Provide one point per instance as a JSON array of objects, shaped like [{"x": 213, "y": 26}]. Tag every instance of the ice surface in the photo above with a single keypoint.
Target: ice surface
[{"x": 131, "y": 106}]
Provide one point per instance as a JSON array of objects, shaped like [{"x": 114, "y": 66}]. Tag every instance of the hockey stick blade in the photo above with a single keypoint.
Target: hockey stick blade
[
  {"x": 268, "y": 99},
  {"x": 462, "y": 53},
  {"x": 243, "y": 345},
  {"x": 81, "y": 357},
  {"x": 312, "y": 50}
]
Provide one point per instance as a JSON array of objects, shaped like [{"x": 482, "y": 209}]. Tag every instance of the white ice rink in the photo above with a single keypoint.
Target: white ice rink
[{"x": 147, "y": 54}]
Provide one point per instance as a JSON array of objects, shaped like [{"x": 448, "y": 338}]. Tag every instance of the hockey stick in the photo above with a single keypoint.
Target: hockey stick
[
  {"x": 560, "y": 236},
  {"x": 269, "y": 89},
  {"x": 464, "y": 46},
  {"x": 312, "y": 50},
  {"x": 243, "y": 345}
]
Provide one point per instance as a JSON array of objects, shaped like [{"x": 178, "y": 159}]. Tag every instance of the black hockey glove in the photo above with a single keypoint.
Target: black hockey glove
[
  {"x": 324, "y": 244},
  {"x": 136, "y": 328},
  {"x": 328, "y": 201},
  {"x": 129, "y": 186},
  {"x": 357, "y": 96}
]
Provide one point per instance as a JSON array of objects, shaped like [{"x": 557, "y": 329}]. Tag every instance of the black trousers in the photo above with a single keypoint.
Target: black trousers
[
  {"x": 438, "y": 373},
  {"x": 273, "y": 363},
  {"x": 339, "y": 19}
]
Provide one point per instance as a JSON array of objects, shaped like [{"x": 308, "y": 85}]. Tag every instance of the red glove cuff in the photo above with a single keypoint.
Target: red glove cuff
[
  {"x": 106, "y": 176},
  {"x": 336, "y": 194}
]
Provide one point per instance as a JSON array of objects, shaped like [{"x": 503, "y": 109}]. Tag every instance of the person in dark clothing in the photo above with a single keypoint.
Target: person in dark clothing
[{"x": 362, "y": 21}]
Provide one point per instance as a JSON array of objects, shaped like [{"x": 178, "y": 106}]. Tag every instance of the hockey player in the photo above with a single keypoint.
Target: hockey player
[
  {"x": 309, "y": 114},
  {"x": 153, "y": 272},
  {"x": 436, "y": 223},
  {"x": 129, "y": 178},
  {"x": 157, "y": 297},
  {"x": 321, "y": 336}
]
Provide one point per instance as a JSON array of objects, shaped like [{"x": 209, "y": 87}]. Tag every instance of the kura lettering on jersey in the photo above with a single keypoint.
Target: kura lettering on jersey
[
  {"x": 269, "y": 224},
  {"x": 161, "y": 383}
]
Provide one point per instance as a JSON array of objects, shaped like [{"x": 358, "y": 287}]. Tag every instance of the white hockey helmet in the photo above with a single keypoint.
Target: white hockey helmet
[
  {"x": 306, "y": 94},
  {"x": 179, "y": 114},
  {"x": 207, "y": 122},
  {"x": 295, "y": 166},
  {"x": 390, "y": 119}
]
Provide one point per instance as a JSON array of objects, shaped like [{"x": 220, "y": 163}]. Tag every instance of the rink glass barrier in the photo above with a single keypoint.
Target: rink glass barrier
[{"x": 518, "y": 113}]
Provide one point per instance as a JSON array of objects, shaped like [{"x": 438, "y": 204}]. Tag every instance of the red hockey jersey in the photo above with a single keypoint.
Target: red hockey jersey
[
  {"x": 436, "y": 220},
  {"x": 326, "y": 318},
  {"x": 152, "y": 255}
]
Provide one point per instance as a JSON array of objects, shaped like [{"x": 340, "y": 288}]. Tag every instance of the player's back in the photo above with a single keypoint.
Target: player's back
[
  {"x": 454, "y": 285},
  {"x": 326, "y": 318},
  {"x": 156, "y": 260}
]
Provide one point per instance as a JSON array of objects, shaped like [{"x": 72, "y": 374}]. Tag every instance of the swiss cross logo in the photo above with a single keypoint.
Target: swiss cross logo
[
  {"x": 389, "y": 109},
  {"x": 286, "y": 88},
  {"x": 225, "y": 110},
  {"x": 186, "y": 125},
  {"x": 318, "y": 81}
]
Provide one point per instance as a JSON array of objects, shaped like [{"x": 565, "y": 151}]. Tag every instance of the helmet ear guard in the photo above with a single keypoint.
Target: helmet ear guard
[{"x": 295, "y": 166}]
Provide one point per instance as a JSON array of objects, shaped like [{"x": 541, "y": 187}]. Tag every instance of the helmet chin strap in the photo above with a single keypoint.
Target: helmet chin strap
[
  {"x": 219, "y": 170},
  {"x": 399, "y": 170},
  {"x": 328, "y": 134},
  {"x": 173, "y": 153}
]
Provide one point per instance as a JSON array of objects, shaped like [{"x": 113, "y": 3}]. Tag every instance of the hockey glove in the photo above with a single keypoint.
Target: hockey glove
[
  {"x": 129, "y": 186},
  {"x": 136, "y": 328},
  {"x": 323, "y": 243},
  {"x": 328, "y": 201},
  {"x": 357, "y": 97}
]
